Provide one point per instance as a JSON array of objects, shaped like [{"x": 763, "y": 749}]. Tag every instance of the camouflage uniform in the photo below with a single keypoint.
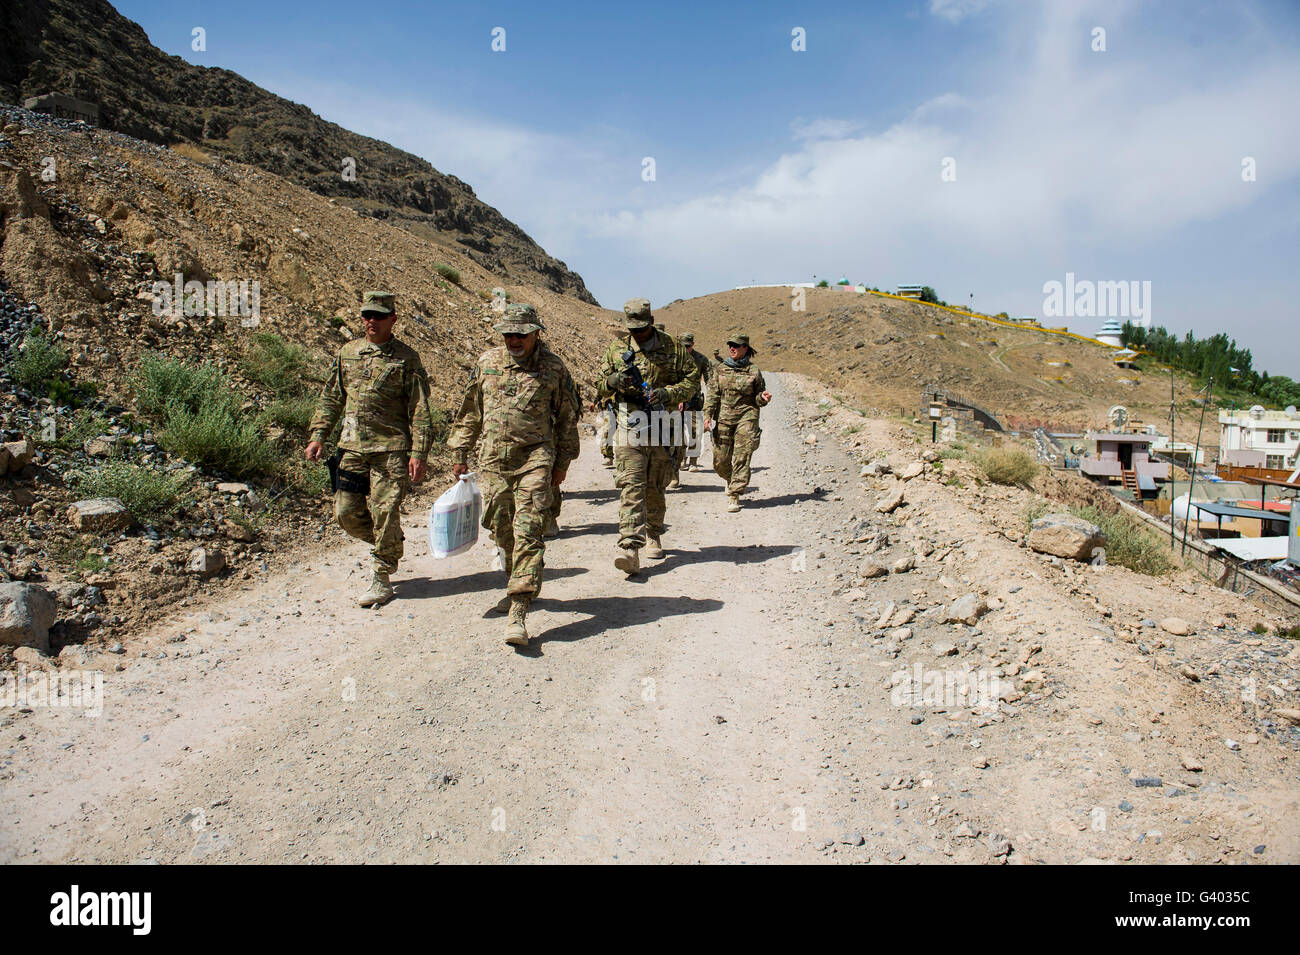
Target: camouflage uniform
[
  {"x": 735, "y": 395},
  {"x": 696, "y": 404},
  {"x": 526, "y": 414},
  {"x": 382, "y": 394},
  {"x": 557, "y": 496},
  {"x": 644, "y": 468}
]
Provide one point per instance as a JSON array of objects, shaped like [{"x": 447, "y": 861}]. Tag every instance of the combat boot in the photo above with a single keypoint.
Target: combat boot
[
  {"x": 654, "y": 549},
  {"x": 628, "y": 560},
  {"x": 673, "y": 485},
  {"x": 733, "y": 502},
  {"x": 609, "y": 464},
  {"x": 380, "y": 591},
  {"x": 552, "y": 528},
  {"x": 516, "y": 633}
]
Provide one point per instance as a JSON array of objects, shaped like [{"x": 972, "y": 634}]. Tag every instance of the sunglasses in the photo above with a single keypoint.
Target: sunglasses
[
  {"x": 515, "y": 334},
  {"x": 372, "y": 317},
  {"x": 734, "y": 345}
]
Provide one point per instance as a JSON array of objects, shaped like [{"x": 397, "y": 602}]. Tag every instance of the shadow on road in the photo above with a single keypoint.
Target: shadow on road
[
  {"x": 612, "y": 613},
  {"x": 491, "y": 583},
  {"x": 744, "y": 554},
  {"x": 818, "y": 496}
]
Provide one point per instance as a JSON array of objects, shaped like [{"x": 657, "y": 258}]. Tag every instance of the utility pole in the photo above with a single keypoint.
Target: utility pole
[
  {"x": 1195, "y": 454},
  {"x": 1172, "y": 511}
]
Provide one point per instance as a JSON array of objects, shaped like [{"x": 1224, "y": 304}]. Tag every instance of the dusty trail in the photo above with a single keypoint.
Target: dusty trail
[{"x": 730, "y": 705}]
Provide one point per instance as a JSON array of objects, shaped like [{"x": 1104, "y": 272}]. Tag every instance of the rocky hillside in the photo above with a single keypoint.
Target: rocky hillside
[
  {"x": 85, "y": 48},
  {"x": 883, "y": 351},
  {"x": 80, "y": 254}
]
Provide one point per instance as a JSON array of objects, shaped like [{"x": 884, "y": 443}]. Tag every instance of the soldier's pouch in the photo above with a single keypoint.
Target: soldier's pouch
[{"x": 350, "y": 482}]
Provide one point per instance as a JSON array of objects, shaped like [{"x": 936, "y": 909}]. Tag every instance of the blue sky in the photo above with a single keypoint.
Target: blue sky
[{"x": 773, "y": 165}]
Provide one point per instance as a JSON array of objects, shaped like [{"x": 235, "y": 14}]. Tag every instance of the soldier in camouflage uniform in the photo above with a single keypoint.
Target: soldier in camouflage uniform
[
  {"x": 379, "y": 387},
  {"x": 643, "y": 463},
  {"x": 691, "y": 411},
  {"x": 736, "y": 392},
  {"x": 557, "y": 496},
  {"x": 521, "y": 401}
]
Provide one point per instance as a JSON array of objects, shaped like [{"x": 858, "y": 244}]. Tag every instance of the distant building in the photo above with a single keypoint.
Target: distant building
[
  {"x": 1112, "y": 333},
  {"x": 909, "y": 291},
  {"x": 1260, "y": 441},
  {"x": 1118, "y": 458},
  {"x": 63, "y": 107}
]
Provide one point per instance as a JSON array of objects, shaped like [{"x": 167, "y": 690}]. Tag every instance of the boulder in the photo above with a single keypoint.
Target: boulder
[
  {"x": 26, "y": 615},
  {"x": 231, "y": 487},
  {"x": 891, "y": 502},
  {"x": 915, "y": 469},
  {"x": 903, "y": 565},
  {"x": 4, "y": 460},
  {"x": 1176, "y": 625},
  {"x": 100, "y": 447},
  {"x": 1064, "y": 535},
  {"x": 966, "y": 609},
  {"x": 99, "y": 515},
  {"x": 205, "y": 562},
  {"x": 20, "y": 453},
  {"x": 871, "y": 569}
]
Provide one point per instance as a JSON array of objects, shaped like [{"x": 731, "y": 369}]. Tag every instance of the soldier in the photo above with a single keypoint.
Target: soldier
[
  {"x": 642, "y": 459},
  {"x": 736, "y": 392},
  {"x": 557, "y": 496},
  {"x": 692, "y": 409},
  {"x": 521, "y": 401},
  {"x": 379, "y": 387}
]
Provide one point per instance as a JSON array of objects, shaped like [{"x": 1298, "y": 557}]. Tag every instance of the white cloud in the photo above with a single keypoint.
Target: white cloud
[{"x": 956, "y": 10}]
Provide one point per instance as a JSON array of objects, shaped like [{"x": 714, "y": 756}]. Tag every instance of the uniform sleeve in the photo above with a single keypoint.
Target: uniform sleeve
[
  {"x": 469, "y": 420},
  {"x": 607, "y": 368},
  {"x": 419, "y": 412},
  {"x": 713, "y": 403},
  {"x": 686, "y": 385},
  {"x": 567, "y": 441},
  {"x": 760, "y": 386},
  {"x": 330, "y": 403}
]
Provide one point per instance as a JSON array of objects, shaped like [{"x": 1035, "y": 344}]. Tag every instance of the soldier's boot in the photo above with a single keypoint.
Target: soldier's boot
[
  {"x": 502, "y": 605},
  {"x": 733, "y": 502},
  {"x": 628, "y": 560},
  {"x": 674, "y": 484},
  {"x": 552, "y": 527},
  {"x": 609, "y": 464},
  {"x": 516, "y": 632},
  {"x": 380, "y": 592},
  {"x": 654, "y": 549}
]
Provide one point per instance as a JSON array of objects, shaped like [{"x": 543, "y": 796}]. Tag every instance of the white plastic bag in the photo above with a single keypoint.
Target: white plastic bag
[{"x": 454, "y": 518}]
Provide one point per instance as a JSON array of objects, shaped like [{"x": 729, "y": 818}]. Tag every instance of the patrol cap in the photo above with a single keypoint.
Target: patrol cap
[
  {"x": 688, "y": 339},
  {"x": 520, "y": 319},
  {"x": 742, "y": 340},
  {"x": 636, "y": 313},
  {"x": 379, "y": 303}
]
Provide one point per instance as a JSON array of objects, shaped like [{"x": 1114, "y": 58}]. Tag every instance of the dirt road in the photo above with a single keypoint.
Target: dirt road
[{"x": 737, "y": 702}]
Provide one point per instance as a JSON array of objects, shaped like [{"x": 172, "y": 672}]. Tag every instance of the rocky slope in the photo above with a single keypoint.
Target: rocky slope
[
  {"x": 86, "y": 49},
  {"x": 883, "y": 351}
]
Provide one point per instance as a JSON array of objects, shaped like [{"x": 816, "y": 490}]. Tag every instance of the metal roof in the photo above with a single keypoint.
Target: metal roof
[
  {"x": 1222, "y": 509},
  {"x": 1254, "y": 548}
]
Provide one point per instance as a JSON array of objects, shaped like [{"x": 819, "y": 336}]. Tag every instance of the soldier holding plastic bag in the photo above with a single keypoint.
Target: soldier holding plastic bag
[{"x": 519, "y": 409}]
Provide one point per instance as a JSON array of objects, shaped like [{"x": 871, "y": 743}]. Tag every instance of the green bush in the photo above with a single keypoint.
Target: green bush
[
  {"x": 441, "y": 426},
  {"x": 292, "y": 413},
  {"x": 1007, "y": 466},
  {"x": 39, "y": 359},
  {"x": 85, "y": 424},
  {"x": 1129, "y": 544},
  {"x": 823, "y": 284},
  {"x": 146, "y": 492},
  {"x": 216, "y": 436},
  {"x": 164, "y": 381},
  {"x": 276, "y": 363},
  {"x": 448, "y": 272}
]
